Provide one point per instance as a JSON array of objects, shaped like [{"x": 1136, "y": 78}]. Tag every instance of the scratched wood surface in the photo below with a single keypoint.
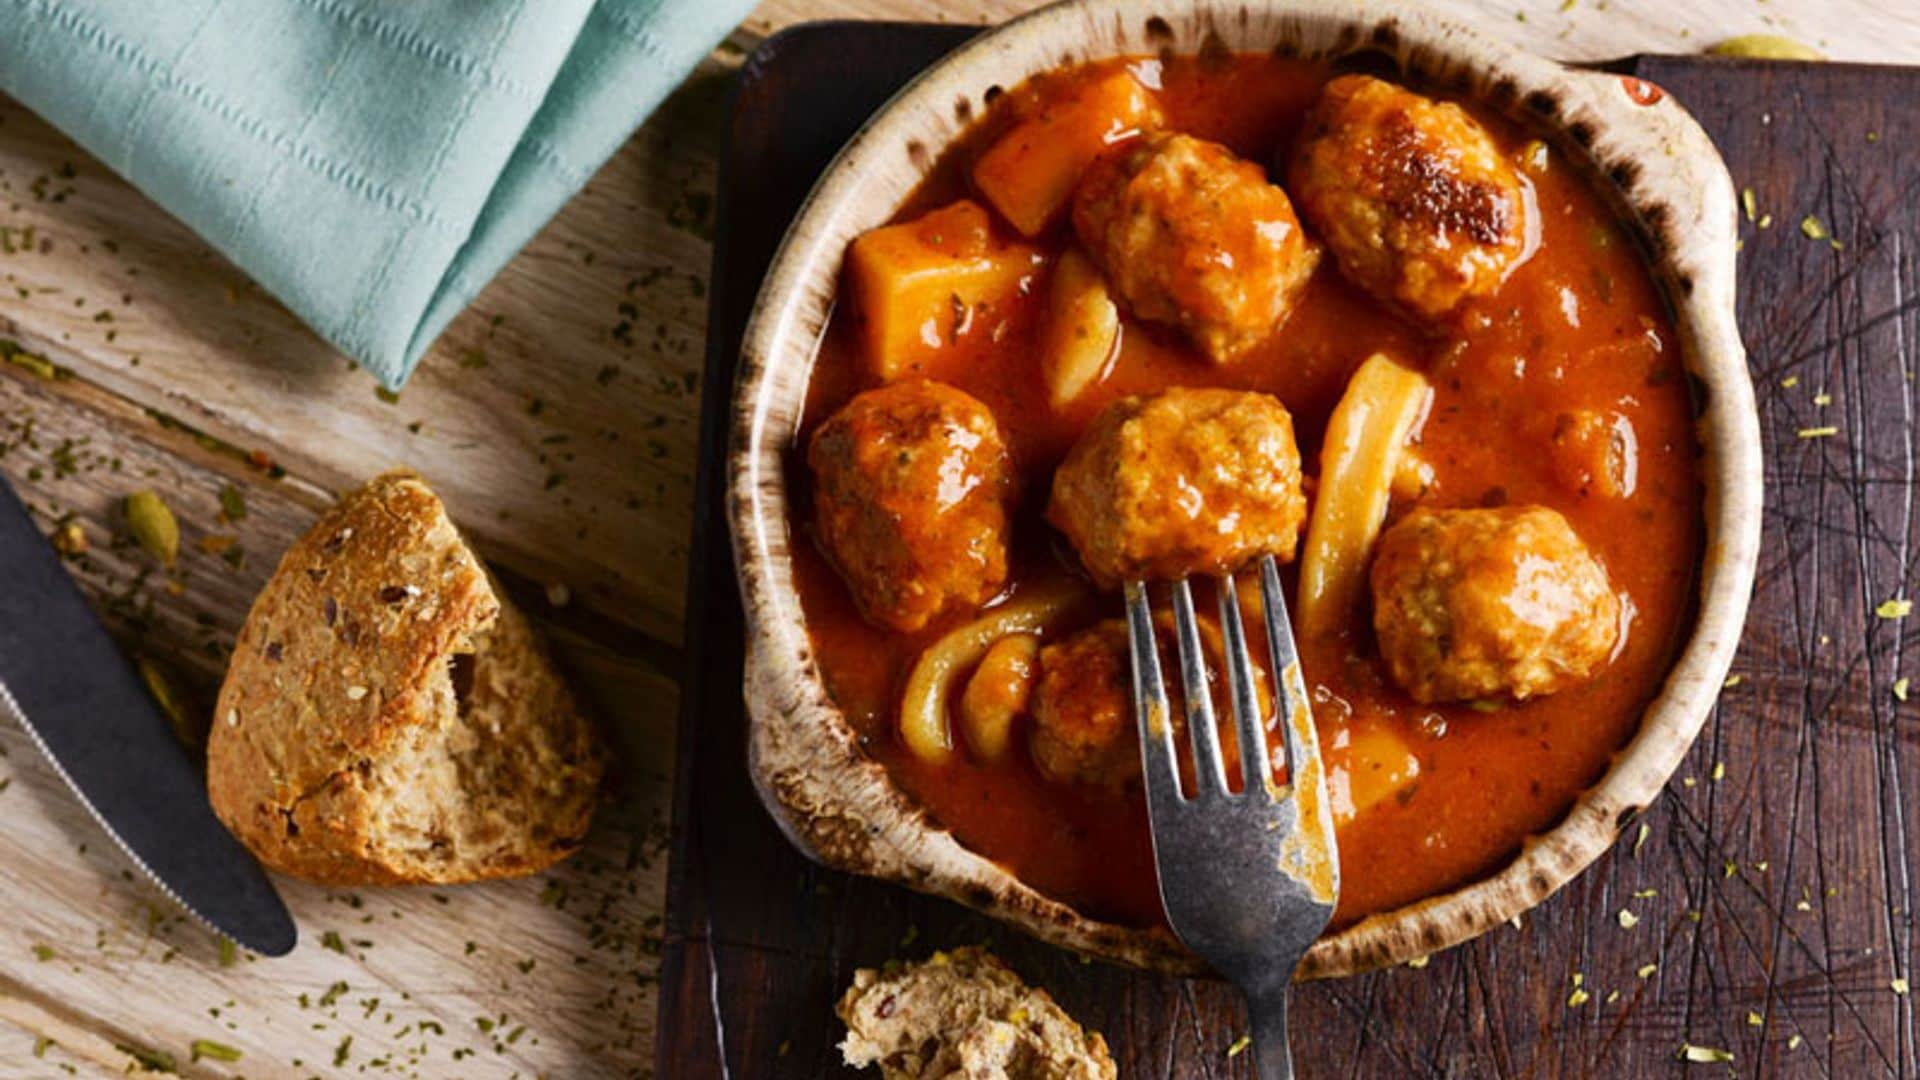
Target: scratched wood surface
[
  {"x": 1763, "y": 910},
  {"x": 558, "y": 417}
]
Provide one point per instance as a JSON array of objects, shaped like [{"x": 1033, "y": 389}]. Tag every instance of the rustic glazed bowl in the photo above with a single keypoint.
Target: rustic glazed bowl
[{"x": 840, "y": 806}]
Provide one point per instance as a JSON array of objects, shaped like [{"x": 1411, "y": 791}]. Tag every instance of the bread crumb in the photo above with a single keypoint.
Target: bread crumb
[{"x": 964, "y": 1013}]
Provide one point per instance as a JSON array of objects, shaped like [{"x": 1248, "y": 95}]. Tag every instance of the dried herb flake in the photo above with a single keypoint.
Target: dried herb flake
[
  {"x": 233, "y": 504},
  {"x": 213, "y": 1051},
  {"x": 148, "y": 1060}
]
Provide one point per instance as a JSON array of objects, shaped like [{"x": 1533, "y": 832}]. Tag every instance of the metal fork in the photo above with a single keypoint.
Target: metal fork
[{"x": 1248, "y": 878}]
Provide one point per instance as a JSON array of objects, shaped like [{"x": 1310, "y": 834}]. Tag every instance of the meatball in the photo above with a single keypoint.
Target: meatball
[
  {"x": 1183, "y": 482},
  {"x": 1194, "y": 238},
  {"x": 912, "y": 491},
  {"x": 1083, "y": 726},
  {"x": 1084, "y": 729},
  {"x": 1472, "y": 604},
  {"x": 1411, "y": 195}
]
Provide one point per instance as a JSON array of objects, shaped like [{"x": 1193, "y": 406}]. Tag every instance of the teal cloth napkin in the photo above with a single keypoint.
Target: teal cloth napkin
[{"x": 372, "y": 163}]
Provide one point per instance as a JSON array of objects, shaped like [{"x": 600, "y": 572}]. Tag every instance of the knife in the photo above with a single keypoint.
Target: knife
[{"x": 63, "y": 679}]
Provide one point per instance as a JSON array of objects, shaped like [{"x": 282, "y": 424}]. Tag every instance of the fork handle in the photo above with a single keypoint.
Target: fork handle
[{"x": 1268, "y": 1013}]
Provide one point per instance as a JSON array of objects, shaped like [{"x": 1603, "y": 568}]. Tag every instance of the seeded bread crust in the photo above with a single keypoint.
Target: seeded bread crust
[{"x": 346, "y": 665}]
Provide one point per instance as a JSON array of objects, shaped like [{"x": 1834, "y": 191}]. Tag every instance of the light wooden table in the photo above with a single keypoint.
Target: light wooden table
[{"x": 558, "y": 418}]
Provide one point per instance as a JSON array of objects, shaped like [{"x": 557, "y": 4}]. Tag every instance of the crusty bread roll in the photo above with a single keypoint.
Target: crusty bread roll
[
  {"x": 389, "y": 718},
  {"x": 961, "y": 1015}
]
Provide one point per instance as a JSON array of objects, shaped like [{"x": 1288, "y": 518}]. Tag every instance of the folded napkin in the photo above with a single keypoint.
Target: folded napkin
[{"x": 372, "y": 163}]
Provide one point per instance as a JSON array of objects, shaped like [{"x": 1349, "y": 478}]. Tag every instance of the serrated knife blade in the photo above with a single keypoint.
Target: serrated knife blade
[{"x": 65, "y": 681}]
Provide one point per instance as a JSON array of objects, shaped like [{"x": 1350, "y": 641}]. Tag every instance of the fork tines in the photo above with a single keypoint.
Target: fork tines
[{"x": 1210, "y": 775}]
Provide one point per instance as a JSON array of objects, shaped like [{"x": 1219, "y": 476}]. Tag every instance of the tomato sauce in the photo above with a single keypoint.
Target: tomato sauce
[{"x": 1580, "y": 324}]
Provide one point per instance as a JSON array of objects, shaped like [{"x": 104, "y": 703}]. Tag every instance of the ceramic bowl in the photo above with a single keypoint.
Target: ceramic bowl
[{"x": 840, "y": 806}]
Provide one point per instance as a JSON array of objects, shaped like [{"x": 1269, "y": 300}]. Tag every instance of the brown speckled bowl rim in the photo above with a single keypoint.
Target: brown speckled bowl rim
[{"x": 840, "y": 806}]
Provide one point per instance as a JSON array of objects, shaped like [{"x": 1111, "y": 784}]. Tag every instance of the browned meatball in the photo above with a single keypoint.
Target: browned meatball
[
  {"x": 1084, "y": 730},
  {"x": 1475, "y": 604},
  {"x": 912, "y": 489},
  {"x": 1183, "y": 482},
  {"x": 1083, "y": 726},
  {"x": 1192, "y": 237},
  {"x": 1411, "y": 195}
]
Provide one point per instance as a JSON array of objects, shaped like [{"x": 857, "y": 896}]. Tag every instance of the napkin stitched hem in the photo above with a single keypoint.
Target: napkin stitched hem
[{"x": 372, "y": 166}]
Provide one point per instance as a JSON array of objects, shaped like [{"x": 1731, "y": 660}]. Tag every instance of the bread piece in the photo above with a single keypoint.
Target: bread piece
[
  {"x": 962, "y": 1015},
  {"x": 389, "y": 718}
]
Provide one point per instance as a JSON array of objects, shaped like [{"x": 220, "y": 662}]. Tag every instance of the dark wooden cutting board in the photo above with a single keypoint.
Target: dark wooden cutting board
[{"x": 1772, "y": 894}]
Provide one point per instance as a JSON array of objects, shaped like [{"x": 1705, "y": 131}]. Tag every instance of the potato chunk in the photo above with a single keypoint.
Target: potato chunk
[
  {"x": 1081, "y": 338},
  {"x": 1184, "y": 482},
  {"x": 1367, "y": 765},
  {"x": 1485, "y": 603},
  {"x": 920, "y": 286},
  {"x": 1030, "y": 173}
]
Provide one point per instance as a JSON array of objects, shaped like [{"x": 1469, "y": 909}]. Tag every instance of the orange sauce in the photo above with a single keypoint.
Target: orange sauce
[{"x": 1579, "y": 325}]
